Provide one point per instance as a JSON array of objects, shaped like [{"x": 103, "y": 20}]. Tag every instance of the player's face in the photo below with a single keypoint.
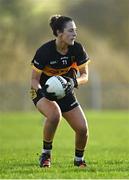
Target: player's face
[{"x": 69, "y": 34}]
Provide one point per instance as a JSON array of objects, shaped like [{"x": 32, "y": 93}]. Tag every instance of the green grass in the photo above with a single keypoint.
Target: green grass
[{"x": 107, "y": 153}]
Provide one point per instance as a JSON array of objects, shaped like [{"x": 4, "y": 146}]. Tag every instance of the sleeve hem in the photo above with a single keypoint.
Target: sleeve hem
[
  {"x": 87, "y": 62},
  {"x": 36, "y": 69}
]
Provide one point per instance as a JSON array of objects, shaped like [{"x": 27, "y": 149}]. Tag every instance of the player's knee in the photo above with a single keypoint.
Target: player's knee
[{"x": 54, "y": 117}]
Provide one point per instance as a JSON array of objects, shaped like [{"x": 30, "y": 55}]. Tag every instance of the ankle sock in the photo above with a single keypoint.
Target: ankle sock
[
  {"x": 79, "y": 158},
  {"x": 79, "y": 155},
  {"x": 47, "y": 147}
]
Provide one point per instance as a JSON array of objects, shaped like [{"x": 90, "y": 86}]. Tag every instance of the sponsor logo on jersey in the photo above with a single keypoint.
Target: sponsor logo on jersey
[
  {"x": 56, "y": 72},
  {"x": 53, "y": 62}
]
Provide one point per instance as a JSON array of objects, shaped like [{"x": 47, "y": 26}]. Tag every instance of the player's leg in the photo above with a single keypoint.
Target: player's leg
[
  {"x": 51, "y": 111},
  {"x": 78, "y": 122}
]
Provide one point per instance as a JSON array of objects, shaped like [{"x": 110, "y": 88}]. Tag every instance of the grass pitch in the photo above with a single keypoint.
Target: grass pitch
[{"x": 107, "y": 152}]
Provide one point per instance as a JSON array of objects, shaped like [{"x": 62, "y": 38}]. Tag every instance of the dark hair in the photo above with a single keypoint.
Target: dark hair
[{"x": 58, "y": 22}]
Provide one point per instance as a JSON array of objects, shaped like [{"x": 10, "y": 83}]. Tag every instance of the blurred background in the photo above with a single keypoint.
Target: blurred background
[{"x": 103, "y": 29}]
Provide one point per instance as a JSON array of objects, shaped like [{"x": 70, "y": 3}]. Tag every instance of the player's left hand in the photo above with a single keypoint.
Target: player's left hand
[{"x": 71, "y": 84}]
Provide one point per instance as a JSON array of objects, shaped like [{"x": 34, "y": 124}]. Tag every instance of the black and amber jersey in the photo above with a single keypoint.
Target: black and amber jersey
[{"x": 51, "y": 63}]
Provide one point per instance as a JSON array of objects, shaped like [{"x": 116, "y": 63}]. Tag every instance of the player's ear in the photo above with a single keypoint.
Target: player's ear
[{"x": 59, "y": 33}]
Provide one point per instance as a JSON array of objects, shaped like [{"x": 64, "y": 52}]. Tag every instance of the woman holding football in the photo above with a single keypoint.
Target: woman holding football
[{"x": 64, "y": 57}]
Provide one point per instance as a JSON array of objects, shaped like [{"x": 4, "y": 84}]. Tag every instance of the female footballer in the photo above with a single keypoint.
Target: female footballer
[{"x": 65, "y": 57}]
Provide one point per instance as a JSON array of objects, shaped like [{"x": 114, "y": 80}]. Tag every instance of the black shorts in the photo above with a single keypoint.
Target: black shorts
[{"x": 66, "y": 104}]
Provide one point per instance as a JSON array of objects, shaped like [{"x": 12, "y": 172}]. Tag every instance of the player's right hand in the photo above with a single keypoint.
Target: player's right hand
[{"x": 50, "y": 96}]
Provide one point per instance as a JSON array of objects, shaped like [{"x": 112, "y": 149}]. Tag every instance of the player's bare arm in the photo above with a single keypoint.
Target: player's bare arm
[
  {"x": 83, "y": 74},
  {"x": 35, "y": 78}
]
